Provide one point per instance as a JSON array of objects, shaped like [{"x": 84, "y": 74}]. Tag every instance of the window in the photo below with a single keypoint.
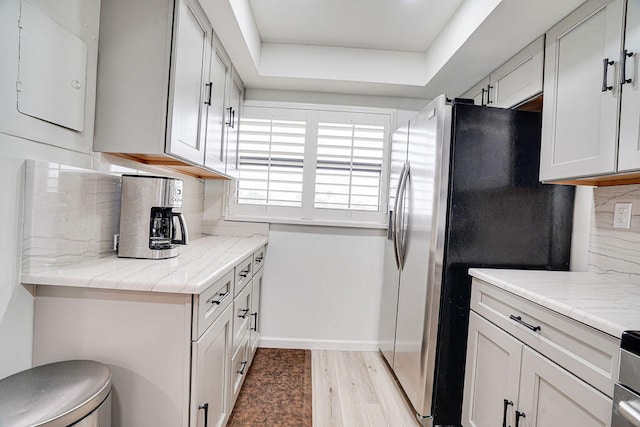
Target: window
[{"x": 311, "y": 165}]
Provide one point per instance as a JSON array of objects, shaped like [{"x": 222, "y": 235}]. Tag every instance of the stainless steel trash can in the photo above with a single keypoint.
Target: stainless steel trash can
[{"x": 74, "y": 392}]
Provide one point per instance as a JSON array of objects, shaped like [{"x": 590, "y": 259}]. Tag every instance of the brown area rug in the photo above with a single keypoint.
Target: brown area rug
[{"x": 277, "y": 390}]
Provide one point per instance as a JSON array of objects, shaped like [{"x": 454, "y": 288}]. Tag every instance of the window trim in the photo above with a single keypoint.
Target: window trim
[{"x": 308, "y": 214}]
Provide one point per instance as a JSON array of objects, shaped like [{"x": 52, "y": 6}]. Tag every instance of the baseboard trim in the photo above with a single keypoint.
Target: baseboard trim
[{"x": 271, "y": 342}]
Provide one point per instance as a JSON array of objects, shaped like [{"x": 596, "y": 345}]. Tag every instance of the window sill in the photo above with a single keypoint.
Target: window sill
[{"x": 318, "y": 222}]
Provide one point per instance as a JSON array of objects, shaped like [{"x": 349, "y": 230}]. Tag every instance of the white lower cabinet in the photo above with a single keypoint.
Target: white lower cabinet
[
  {"x": 210, "y": 405},
  {"x": 507, "y": 383}
]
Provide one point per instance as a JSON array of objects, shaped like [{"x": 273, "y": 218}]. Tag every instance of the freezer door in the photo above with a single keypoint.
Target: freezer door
[
  {"x": 391, "y": 273},
  {"x": 419, "y": 291}
]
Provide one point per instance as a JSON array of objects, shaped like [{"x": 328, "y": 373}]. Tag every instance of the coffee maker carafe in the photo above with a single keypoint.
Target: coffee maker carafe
[{"x": 147, "y": 220}]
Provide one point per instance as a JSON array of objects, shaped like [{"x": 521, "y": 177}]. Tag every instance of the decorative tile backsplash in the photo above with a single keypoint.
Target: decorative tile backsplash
[{"x": 615, "y": 251}]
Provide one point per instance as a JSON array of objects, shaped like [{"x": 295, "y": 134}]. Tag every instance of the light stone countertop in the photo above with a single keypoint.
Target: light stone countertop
[
  {"x": 606, "y": 304},
  {"x": 200, "y": 263}
]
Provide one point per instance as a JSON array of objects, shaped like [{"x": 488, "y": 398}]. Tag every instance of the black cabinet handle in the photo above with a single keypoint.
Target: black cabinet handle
[
  {"x": 206, "y": 413},
  {"x": 244, "y": 366},
  {"x": 489, "y": 101},
  {"x": 244, "y": 313},
  {"x": 255, "y": 321},
  {"x": 244, "y": 273},
  {"x": 222, "y": 296},
  {"x": 605, "y": 69},
  {"x": 210, "y": 86},
  {"x": 523, "y": 323},
  {"x": 229, "y": 123},
  {"x": 482, "y": 97},
  {"x": 518, "y": 416},
  {"x": 233, "y": 118},
  {"x": 504, "y": 414},
  {"x": 625, "y": 54}
]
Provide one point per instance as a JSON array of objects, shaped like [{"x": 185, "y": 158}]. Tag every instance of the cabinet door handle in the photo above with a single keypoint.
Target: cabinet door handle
[
  {"x": 210, "y": 86},
  {"x": 206, "y": 413},
  {"x": 233, "y": 118},
  {"x": 244, "y": 313},
  {"x": 255, "y": 321},
  {"x": 489, "y": 101},
  {"x": 625, "y": 54},
  {"x": 523, "y": 323},
  {"x": 229, "y": 123},
  {"x": 482, "y": 97},
  {"x": 244, "y": 366},
  {"x": 605, "y": 69},
  {"x": 222, "y": 296},
  {"x": 504, "y": 414},
  {"x": 518, "y": 416}
]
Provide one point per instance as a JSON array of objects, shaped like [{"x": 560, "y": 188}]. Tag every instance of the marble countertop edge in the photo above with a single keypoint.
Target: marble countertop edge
[
  {"x": 582, "y": 296},
  {"x": 201, "y": 263}
]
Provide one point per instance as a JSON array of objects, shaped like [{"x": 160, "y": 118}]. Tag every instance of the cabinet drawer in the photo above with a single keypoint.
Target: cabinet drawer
[
  {"x": 241, "y": 315},
  {"x": 210, "y": 303},
  {"x": 239, "y": 368},
  {"x": 258, "y": 258},
  {"x": 589, "y": 354},
  {"x": 243, "y": 273}
]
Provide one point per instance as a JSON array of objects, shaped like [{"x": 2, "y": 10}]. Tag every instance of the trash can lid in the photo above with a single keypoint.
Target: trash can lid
[{"x": 57, "y": 394}]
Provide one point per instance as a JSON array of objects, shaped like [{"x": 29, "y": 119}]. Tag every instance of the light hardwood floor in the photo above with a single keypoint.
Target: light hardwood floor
[{"x": 356, "y": 389}]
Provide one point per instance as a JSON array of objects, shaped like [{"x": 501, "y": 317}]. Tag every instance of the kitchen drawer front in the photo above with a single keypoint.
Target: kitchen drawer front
[
  {"x": 587, "y": 353},
  {"x": 258, "y": 258},
  {"x": 244, "y": 273},
  {"x": 210, "y": 303},
  {"x": 239, "y": 368},
  {"x": 241, "y": 315}
]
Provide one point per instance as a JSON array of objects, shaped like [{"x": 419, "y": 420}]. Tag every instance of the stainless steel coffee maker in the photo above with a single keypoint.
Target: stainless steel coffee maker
[{"x": 147, "y": 220}]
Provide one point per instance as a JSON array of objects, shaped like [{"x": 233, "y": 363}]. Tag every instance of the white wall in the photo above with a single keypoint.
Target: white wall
[
  {"x": 322, "y": 287},
  {"x": 16, "y": 303}
]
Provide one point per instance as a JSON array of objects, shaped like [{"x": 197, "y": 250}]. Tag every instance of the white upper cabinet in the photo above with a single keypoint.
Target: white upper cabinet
[
  {"x": 514, "y": 82},
  {"x": 192, "y": 55},
  {"x": 629, "y": 145},
  {"x": 165, "y": 106},
  {"x": 232, "y": 124}
]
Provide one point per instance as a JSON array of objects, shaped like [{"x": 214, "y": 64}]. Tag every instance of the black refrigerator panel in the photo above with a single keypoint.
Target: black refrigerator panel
[{"x": 499, "y": 215}]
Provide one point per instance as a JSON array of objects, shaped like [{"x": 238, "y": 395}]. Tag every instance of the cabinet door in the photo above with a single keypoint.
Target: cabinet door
[
  {"x": 191, "y": 50},
  {"x": 520, "y": 78},
  {"x": 255, "y": 311},
  {"x": 478, "y": 93},
  {"x": 211, "y": 373},
  {"x": 629, "y": 144},
  {"x": 242, "y": 316},
  {"x": 219, "y": 80},
  {"x": 580, "y": 120},
  {"x": 233, "y": 124},
  {"x": 551, "y": 396},
  {"x": 491, "y": 376}
]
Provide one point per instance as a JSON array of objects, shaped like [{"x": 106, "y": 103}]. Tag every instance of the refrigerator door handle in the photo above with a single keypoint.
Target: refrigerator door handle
[
  {"x": 393, "y": 223},
  {"x": 399, "y": 233}
]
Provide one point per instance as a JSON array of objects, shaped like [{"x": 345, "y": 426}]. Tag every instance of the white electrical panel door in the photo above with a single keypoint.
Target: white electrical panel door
[{"x": 52, "y": 71}]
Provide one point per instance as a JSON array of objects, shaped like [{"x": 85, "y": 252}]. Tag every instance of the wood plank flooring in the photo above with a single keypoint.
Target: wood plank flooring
[{"x": 355, "y": 389}]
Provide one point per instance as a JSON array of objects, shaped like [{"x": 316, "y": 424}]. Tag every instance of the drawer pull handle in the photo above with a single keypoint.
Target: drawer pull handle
[
  {"x": 523, "y": 323},
  {"x": 244, "y": 273},
  {"x": 629, "y": 413},
  {"x": 259, "y": 258},
  {"x": 518, "y": 416},
  {"x": 507, "y": 403},
  {"x": 222, "y": 296},
  {"x": 255, "y": 321},
  {"x": 244, "y": 312},
  {"x": 206, "y": 413},
  {"x": 625, "y": 54},
  {"x": 244, "y": 366}
]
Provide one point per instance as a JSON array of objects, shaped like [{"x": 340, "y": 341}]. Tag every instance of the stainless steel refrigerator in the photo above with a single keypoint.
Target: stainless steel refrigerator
[{"x": 464, "y": 193}]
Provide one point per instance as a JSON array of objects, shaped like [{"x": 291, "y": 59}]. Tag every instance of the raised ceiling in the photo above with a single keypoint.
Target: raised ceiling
[
  {"x": 400, "y": 48},
  {"x": 402, "y": 25}
]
